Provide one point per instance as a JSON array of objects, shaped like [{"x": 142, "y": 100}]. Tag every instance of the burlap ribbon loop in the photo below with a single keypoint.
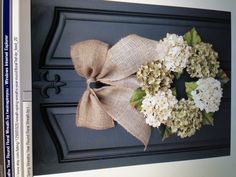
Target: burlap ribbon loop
[
  {"x": 89, "y": 81},
  {"x": 99, "y": 108}
]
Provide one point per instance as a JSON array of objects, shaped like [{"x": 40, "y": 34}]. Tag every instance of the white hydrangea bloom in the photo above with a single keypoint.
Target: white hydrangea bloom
[
  {"x": 207, "y": 95},
  {"x": 178, "y": 53},
  {"x": 157, "y": 108}
]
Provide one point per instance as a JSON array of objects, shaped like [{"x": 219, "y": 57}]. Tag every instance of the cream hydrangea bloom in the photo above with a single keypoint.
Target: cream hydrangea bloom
[
  {"x": 207, "y": 95},
  {"x": 157, "y": 108},
  {"x": 178, "y": 53}
]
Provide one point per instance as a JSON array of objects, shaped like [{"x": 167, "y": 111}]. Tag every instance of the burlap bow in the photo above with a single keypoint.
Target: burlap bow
[{"x": 98, "y": 108}]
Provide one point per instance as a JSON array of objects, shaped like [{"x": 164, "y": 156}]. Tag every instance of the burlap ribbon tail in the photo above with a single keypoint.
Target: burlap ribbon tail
[{"x": 99, "y": 108}]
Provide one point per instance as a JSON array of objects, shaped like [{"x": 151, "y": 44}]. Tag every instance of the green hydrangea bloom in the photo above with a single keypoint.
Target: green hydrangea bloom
[
  {"x": 186, "y": 118},
  {"x": 154, "y": 76},
  {"x": 203, "y": 62}
]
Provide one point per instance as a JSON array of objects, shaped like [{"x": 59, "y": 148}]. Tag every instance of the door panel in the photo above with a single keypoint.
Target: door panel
[{"x": 59, "y": 146}]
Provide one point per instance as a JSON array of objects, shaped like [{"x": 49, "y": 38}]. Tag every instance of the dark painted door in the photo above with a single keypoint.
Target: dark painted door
[{"x": 59, "y": 146}]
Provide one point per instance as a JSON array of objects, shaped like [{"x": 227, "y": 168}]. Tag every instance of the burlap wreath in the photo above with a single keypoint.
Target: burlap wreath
[{"x": 99, "y": 108}]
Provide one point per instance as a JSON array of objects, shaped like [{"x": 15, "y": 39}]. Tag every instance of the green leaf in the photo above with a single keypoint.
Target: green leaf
[
  {"x": 208, "y": 118},
  {"x": 189, "y": 87},
  {"x": 177, "y": 75},
  {"x": 174, "y": 92},
  {"x": 192, "y": 37},
  {"x": 222, "y": 77},
  {"x": 137, "y": 98},
  {"x": 165, "y": 131}
]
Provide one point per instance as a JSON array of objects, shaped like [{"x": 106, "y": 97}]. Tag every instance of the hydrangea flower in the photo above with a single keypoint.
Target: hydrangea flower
[
  {"x": 157, "y": 108},
  {"x": 207, "y": 95},
  {"x": 178, "y": 53},
  {"x": 203, "y": 62},
  {"x": 186, "y": 118},
  {"x": 154, "y": 76}
]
